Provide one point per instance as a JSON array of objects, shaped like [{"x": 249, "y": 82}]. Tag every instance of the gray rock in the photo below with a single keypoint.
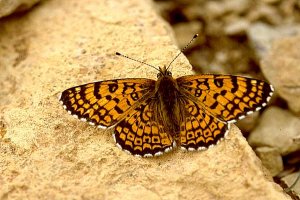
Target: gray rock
[
  {"x": 281, "y": 66},
  {"x": 278, "y": 128},
  {"x": 290, "y": 180},
  {"x": 271, "y": 159},
  {"x": 278, "y": 49},
  {"x": 262, "y": 36}
]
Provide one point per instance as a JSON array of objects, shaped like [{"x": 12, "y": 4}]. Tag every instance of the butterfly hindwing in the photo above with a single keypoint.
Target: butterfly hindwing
[
  {"x": 141, "y": 133},
  {"x": 200, "y": 130},
  {"x": 224, "y": 96},
  {"x": 104, "y": 103}
]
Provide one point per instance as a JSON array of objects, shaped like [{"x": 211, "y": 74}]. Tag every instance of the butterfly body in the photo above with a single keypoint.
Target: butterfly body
[
  {"x": 149, "y": 117},
  {"x": 169, "y": 107}
]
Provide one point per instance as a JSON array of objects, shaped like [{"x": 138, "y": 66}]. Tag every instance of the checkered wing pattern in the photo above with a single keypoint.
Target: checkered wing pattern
[
  {"x": 226, "y": 97},
  {"x": 200, "y": 130},
  {"x": 142, "y": 133},
  {"x": 105, "y": 103}
]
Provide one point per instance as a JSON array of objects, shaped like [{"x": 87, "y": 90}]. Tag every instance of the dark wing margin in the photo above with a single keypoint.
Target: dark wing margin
[{"x": 226, "y": 97}]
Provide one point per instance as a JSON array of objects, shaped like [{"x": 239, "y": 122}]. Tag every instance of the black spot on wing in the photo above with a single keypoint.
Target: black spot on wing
[
  {"x": 97, "y": 90},
  {"x": 234, "y": 84},
  {"x": 108, "y": 97},
  {"x": 119, "y": 110},
  {"x": 218, "y": 82},
  {"x": 112, "y": 87}
]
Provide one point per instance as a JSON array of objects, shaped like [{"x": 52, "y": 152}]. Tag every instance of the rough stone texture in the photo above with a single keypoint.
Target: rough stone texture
[
  {"x": 282, "y": 67},
  {"x": 290, "y": 180},
  {"x": 10, "y": 6},
  {"x": 47, "y": 154},
  {"x": 271, "y": 159},
  {"x": 262, "y": 36},
  {"x": 281, "y": 135}
]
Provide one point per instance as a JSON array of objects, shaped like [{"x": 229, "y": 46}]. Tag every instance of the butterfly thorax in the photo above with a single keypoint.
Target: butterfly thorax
[{"x": 168, "y": 96}]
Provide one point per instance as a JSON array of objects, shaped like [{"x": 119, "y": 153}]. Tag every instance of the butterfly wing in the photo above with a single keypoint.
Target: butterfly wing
[
  {"x": 224, "y": 96},
  {"x": 105, "y": 103},
  {"x": 142, "y": 132},
  {"x": 199, "y": 130}
]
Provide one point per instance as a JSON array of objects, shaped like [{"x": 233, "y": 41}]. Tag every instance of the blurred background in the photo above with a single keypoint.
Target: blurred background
[{"x": 254, "y": 38}]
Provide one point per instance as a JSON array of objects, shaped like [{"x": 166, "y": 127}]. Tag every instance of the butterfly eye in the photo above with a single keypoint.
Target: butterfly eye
[
  {"x": 158, "y": 75},
  {"x": 169, "y": 73}
]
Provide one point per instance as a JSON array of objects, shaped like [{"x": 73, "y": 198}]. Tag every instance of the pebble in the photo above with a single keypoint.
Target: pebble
[
  {"x": 271, "y": 159},
  {"x": 277, "y": 128},
  {"x": 281, "y": 66}
]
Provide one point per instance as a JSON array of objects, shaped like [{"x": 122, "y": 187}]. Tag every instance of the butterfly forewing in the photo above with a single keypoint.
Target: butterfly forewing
[
  {"x": 226, "y": 97},
  {"x": 105, "y": 103}
]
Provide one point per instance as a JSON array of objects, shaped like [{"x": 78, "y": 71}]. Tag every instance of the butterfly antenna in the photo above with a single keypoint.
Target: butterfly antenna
[
  {"x": 119, "y": 54},
  {"x": 186, "y": 46}
]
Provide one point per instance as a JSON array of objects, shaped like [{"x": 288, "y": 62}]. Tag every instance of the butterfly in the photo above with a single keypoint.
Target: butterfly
[{"x": 151, "y": 117}]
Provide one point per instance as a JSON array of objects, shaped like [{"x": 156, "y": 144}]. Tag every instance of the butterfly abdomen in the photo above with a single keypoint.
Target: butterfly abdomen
[{"x": 167, "y": 94}]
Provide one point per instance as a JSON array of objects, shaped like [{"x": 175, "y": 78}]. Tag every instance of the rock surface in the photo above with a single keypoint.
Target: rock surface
[
  {"x": 281, "y": 135},
  {"x": 47, "y": 154},
  {"x": 282, "y": 68},
  {"x": 290, "y": 180},
  {"x": 10, "y": 6},
  {"x": 262, "y": 36},
  {"x": 271, "y": 159}
]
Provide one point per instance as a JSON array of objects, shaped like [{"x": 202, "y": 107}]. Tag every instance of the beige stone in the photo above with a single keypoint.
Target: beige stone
[
  {"x": 238, "y": 26},
  {"x": 271, "y": 159},
  {"x": 47, "y": 154},
  {"x": 218, "y": 8},
  {"x": 281, "y": 66},
  {"x": 278, "y": 128},
  {"x": 291, "y": 181},
  {"x": 10, "y": 6},
  {"x": 269, "y": 14},
  {"x": 262, "y": 37}
]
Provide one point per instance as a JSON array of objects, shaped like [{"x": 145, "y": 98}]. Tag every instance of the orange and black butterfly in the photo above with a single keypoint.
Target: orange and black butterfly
[{"x": 150, "y": 117}]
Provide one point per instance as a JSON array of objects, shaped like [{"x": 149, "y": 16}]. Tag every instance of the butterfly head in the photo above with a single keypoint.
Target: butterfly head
[{"x": 164, "y": 72}]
